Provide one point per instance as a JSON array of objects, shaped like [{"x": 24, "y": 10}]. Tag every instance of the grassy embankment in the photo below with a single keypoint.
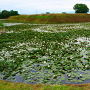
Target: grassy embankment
[
  {"x": 52, "y": 18},
  {"x": 5, "y": 85}
]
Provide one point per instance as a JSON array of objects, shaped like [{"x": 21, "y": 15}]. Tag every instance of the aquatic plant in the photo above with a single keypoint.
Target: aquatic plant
[{"x": 45, "y": 57}]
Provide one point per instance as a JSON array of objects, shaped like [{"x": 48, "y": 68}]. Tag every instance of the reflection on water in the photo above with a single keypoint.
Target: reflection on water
[{"x": 10, "y": 24}]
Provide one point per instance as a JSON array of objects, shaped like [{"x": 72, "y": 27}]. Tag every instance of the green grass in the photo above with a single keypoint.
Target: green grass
[{"x": 20, "y": 86}]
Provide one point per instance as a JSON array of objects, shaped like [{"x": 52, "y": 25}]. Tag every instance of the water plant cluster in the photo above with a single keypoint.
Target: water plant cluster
[
  {"x": 62, "y": 27},
  {"x": 59, "y": 56}
]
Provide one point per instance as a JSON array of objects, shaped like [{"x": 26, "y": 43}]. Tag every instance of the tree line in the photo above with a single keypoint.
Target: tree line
[
  {"x": 79, "y": 8},
  {"x": 5, "y": 14}
]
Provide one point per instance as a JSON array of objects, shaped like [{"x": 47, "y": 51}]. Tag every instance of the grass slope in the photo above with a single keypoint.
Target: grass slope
[{"x": 52, "y": 18}]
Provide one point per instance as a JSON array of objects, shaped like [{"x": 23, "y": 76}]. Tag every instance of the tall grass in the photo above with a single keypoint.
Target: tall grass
[{"x": 52, "y": 18}]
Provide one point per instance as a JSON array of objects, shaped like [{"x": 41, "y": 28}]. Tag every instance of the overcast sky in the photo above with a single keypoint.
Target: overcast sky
[{"x": 41, "y": 6}]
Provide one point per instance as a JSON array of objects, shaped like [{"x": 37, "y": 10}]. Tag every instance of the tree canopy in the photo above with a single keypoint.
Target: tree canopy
[
  {"x": 6, "y": 14},
  {"x": 81, "y": 8}
]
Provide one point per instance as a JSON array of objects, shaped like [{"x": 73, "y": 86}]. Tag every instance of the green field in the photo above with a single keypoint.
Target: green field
[{"x": 50, "y": 54}]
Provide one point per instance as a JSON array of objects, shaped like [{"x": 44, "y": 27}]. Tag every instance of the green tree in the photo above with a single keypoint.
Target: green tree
[
  {"x": 5, "y": 14},
  {"x": 12, "y": 13},
  {"x": 47, "y": 12},
  {"x": 81, "y": 8}
]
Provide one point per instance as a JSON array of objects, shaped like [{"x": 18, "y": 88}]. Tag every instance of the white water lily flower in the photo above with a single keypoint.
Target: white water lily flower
[
  {"x": 71, "y": 57},
  {"x": 86, "y": 66},
  {"x": 76, "y": 60},
  {"x": 19, "y": 52},
  {"x": 72, "y": 68},
  {"x": 50, "y": 54},
  {"x": 48, "y": 65},
  {"x": 69, "y": 75},
  {"x": 23, "y": 70},
  {"x": 80, "y": 75},
  {"x": 44, "y": 61}
]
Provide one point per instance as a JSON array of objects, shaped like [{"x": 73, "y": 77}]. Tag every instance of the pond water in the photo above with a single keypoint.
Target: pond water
[
  {"x": 77, "y": 80},
  {"x": 10, "y": 24},
  {"x": 33, "y": 75}
]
